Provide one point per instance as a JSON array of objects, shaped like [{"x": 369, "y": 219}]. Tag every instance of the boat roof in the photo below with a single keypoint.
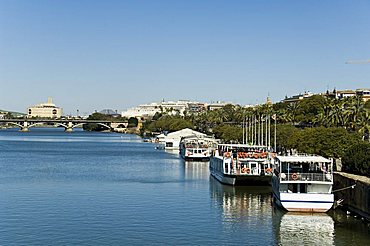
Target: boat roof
[
  {"x": 183, "y": 133},
  {"x": 243, "y": 146},
  {"x": 199, "y": 137},
  {"x": 302, "y": 158}
]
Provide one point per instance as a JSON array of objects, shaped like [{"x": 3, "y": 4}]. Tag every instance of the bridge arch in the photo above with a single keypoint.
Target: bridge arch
[
  {"x": 107, "y": 126},
  {"x": 15, "y": 124}
]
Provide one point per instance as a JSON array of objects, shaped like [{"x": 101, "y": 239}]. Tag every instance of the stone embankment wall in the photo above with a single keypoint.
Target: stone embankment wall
[{"x": 355, "y": 199}]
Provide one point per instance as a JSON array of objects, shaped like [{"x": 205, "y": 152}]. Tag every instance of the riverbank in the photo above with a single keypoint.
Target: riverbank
[{"x": 356, "y": 199}]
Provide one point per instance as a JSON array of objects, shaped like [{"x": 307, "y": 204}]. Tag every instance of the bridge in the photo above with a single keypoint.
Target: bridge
[{"x": 68, "y": 124}]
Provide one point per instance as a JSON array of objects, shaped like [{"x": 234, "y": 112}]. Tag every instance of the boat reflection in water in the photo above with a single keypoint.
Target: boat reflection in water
[
  {"x": 196, "y": 170},
  {"x": 295, "y": 228},
  {"x": 246, "y": 212}
]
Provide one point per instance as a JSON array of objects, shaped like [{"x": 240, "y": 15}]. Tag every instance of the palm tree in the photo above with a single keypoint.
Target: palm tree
[
  {"x": 354, "y": 108},
  {"x": 363, "y": 125},
  {"x": 292, "y": 109},
  {"x": 336, "y": 116}
]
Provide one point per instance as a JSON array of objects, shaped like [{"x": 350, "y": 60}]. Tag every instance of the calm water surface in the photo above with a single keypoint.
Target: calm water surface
[{"x": 85, "y": 188}]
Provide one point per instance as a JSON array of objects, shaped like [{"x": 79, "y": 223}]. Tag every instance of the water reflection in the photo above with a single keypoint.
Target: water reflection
[
  {"x": 196, "y": 170},
  {"x": 350, "y": 230},
  {"x": 241, "y": 200},
  {"x": 304, "y": 229},
  {"x": 244, "y": 211}
]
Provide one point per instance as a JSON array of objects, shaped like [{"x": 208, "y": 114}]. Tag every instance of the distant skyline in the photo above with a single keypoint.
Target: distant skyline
[{"x": 91, "y": 55}]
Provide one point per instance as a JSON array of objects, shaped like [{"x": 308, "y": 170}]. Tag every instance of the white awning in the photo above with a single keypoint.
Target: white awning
[{"x": 302, "y": 158}]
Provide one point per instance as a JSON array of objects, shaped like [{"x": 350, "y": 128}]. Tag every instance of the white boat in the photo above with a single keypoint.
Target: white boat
[
  {"x": 241, "y": 164},
  {"x": 197, "y": 147},
  {"x": 303, "y": 183}
]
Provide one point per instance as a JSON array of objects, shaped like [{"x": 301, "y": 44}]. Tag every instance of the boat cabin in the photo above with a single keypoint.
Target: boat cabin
[
  {"x": 304, "y": 174},
  {"x": 241, "y": 159}
]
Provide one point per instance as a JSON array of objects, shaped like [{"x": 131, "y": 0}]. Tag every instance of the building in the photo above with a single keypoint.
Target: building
[
  {"x": 341, "y": 94},
  {"x": 298, "y": 97},
  {"x": 143, "y": 110},
  {"x": 216, "y": 105},
  {"x": 365, "y": 93},
  {"x": 109, "y": 112},
  {"x": 45, "y": 110},
  {"x": 170, "y": 107}
]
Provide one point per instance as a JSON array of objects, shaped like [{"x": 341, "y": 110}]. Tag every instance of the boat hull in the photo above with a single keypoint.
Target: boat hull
[
  {"x": 304, "y": 202},
  {"x": 236, "y": 180},
  {"x": 187, "y": 158}
]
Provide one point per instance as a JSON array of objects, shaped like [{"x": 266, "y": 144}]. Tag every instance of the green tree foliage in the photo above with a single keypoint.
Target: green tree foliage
[
  {"x": 357, "y": 159},
  {"x": 169, "y": 123},
  {"x": 229, "y": 133},
  {"x": 309, "y": 108},
  {"x": 133, "y": 122},
  {"x": 99, "y": 116},
  {"x": 367, "y": 105},
  {"x": 284, "y": 136},
  {"x": 328, "y": 142}
]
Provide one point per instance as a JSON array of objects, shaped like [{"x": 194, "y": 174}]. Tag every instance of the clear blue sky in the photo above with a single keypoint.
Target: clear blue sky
[{"x": 90, "y": 55}]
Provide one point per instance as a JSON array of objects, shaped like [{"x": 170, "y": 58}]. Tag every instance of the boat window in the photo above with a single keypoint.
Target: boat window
[
  {"x": 303, "y": 188},
  {"x": 292, "y": 188}
]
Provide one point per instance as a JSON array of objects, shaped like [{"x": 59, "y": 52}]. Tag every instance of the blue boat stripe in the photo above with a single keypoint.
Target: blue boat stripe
[{"x": 306, "y": 201}]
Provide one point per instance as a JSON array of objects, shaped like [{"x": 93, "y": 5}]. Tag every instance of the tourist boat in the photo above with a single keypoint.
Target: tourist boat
[
  {"x": 197, "y": 147},
  {"x": 303, "y": 183},
  {"x": 241, "y": 164}
]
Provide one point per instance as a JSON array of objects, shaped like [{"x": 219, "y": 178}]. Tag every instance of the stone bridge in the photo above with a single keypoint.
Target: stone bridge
[{"x": 68, "y": 124}]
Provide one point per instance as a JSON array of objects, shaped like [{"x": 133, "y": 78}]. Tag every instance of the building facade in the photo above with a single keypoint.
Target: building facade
[
  {"x": 341, "y": 94},
  {"x": 45, "y": 110},
  {"x": 170, "y": 107}
]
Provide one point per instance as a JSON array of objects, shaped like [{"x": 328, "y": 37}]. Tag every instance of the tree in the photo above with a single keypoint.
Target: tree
[
  {"x": 328, "y": 142},
  {"x": 354, "y": 107},
  {"x": 284, "y": 136},
  {"x": 228, "y": 133},
  {"x": 309, "y": 108},
  {"x": 367, "y": 105},
  {"x": 357, "y": 159},
  {"x": 133, "y": 122}
]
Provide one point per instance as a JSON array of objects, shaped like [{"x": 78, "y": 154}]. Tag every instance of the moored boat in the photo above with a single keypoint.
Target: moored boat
[
  {"x": 241, "y": 164},
  {"x": 303, "y": 183},
  {"x": 197, "y": 147}
]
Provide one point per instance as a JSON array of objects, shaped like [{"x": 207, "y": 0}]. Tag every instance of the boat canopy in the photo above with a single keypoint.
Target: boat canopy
[
  {"x": 242, "y": 146},
  {"x": 303, "y": 158}
]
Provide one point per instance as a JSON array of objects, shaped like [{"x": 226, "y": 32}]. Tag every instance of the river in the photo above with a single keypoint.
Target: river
[{"x": 86, "y": 188}]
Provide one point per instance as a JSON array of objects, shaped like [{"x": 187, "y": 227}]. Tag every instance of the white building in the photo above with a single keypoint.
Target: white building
[
  {"x": 216, "y": 105},
  {"x": 170, "y": 107},
  {"x": 144, "y": 110},
  {"x": 45, "y": 110}
]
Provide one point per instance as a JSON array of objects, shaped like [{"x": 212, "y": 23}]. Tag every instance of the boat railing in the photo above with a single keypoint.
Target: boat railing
[
  {"x": 250, "y": 171},
  {"x": 323, "y": 177}
]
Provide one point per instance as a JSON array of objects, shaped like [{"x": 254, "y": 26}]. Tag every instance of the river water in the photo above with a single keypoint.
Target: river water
[{"x": 86, "y": 188}]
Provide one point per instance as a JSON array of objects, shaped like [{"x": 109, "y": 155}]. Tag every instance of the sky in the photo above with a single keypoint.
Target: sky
[{"x": 92, "y": 55}]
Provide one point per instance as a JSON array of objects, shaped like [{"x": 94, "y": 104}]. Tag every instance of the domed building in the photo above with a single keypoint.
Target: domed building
[{"x": 45, "y": 110}]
